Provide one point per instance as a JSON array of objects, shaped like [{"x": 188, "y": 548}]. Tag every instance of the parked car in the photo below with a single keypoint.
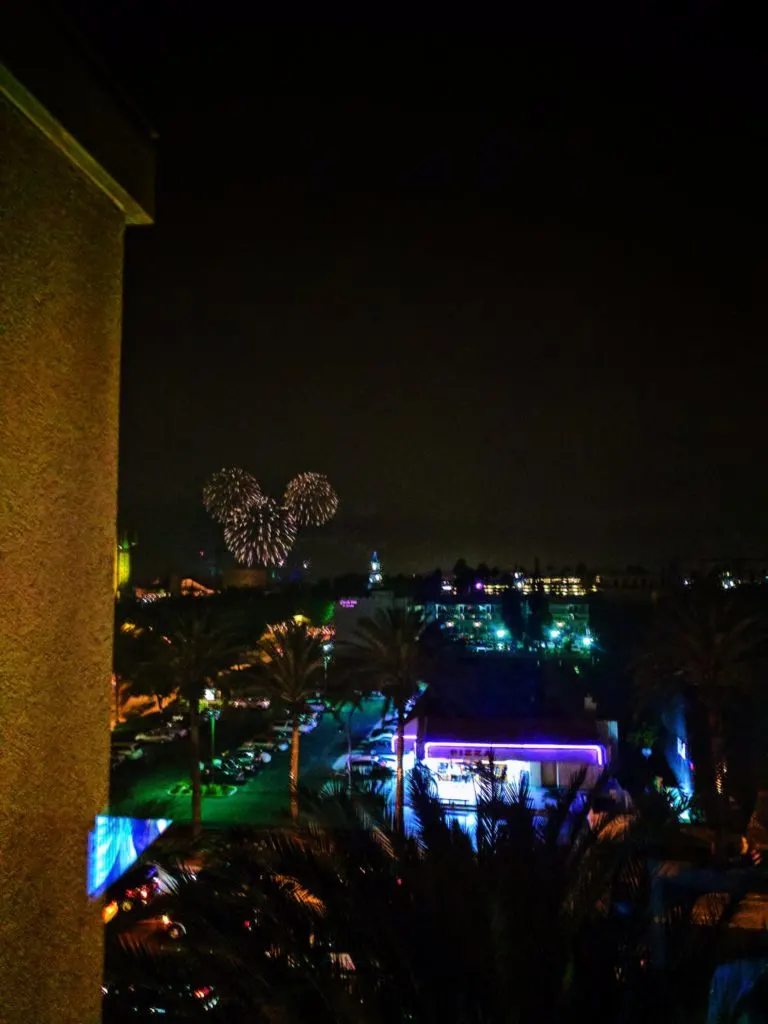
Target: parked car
[
  {"x": 364, "y": 764},
  {"x": 222, "y": 776},
  {"x": 381, "y": 749},
  {"x": 137, "y": 888},
  {"x": 250, "y": 702},
  {"x": 128, "y": 749},
  {"x": 159, "y": 735},
  {"x": 173, "y": 929},
  {"x": 262, "y": 746},
  {"x": 382, "y": 734},
  {"x": 235, "y": 764},
  {"x": 260, "y": 752},
  {"x": 247, "y": 761},
  {"x": 285, "y": 728},
  {"x": 259, "y": 743},
  {"x": 277, "y": 741}
]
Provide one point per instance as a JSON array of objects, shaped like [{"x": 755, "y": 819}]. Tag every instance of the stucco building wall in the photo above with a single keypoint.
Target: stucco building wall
[{"x": 61, "y": 253}]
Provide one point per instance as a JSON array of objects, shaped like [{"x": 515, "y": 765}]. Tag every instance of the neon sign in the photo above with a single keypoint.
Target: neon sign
[{"x": 584, "y": 753}]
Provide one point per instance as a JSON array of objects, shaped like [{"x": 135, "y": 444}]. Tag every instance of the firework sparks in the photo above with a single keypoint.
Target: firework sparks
[
  {"x": 231, "y": 492},
  {"x": 261, "y": 535},
  {"x": 311, "y": 499}
]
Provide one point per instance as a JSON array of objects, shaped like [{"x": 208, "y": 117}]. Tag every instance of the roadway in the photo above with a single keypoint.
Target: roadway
[{"x": 140, "y": 788}]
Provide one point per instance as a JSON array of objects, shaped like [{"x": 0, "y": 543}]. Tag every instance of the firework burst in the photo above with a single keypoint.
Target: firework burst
[
  {"x": 310, "y": 499},
  {"x": 231, "y": 492},
  {"x": 261, "y": 535}
]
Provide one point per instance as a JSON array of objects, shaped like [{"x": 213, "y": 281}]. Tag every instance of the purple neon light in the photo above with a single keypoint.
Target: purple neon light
[
  {"x": 408, "y": 734},
  {"x": 348, "y": 602},
  {"x": 597, "y": 749},
  {"x": 594, "y": 748}
]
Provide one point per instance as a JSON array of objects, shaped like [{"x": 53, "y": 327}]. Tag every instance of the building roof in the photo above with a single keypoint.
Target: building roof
[
  {"x": 508, "y": 730},
  {"x": 499, "y": 700},
  {"x": 492, "y": 686}
]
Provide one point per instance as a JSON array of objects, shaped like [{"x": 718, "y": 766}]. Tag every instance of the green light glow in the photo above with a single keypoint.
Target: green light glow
[{"x": 123, "y": 563}]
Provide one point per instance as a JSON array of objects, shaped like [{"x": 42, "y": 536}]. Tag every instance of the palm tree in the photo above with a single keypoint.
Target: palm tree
[
  {"x": 195, "y": 656},
  {"x": 704, "y": 648},
  {"x": 387, "y": 654},
  {"x": 137, "y": 665},
  {"x": 293, "y": 670},
  {"x": 503, "y": 924},
  {"x": 524, "y": 918},
  {"x": 345, "y": 694}
]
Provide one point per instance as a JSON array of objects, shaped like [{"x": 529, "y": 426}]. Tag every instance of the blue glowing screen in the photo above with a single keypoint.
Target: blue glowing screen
[{"x": 114, "y": 844}]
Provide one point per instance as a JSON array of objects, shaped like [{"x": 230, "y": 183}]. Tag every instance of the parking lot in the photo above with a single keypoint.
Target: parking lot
[{"x": 141, "y": 788}]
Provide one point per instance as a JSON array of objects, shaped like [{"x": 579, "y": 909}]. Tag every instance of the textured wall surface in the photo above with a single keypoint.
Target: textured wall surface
[{"x": 61, "y": 257}]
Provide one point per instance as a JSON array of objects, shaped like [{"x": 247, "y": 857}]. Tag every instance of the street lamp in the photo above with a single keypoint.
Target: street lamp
[{"x": 213, "y": 714}]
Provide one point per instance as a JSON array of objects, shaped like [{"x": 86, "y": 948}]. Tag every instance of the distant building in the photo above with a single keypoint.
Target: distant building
[
  {"x": 569, "y": 625},
  {"x": 375, "y": 577},
  {"x": 349, "y": 611},
  {"x": 242, "y": 577},
  {"x": 557, "y": 586},
  {"x": 732, "y": 572},
  {"x": 150, "y": 594},
  {"x": 185, "y": 586},
  {"x": 495, "y": 709},
  {"x": 543, "y": 752},
  {"x": 631, "y": 584},
  {"x": 478, "y": 624}
]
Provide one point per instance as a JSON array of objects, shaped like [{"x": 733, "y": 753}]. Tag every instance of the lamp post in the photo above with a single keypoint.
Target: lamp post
[{"x": 213, "y": 714}]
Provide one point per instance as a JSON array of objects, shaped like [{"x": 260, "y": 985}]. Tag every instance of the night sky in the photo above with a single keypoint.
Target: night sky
[{"x": 504, "y": 282}]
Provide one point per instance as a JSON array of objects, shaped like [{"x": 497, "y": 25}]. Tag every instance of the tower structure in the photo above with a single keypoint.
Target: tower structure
[
  {"x": 375, "y": 577},
  {"x": 123, "y": 563}
]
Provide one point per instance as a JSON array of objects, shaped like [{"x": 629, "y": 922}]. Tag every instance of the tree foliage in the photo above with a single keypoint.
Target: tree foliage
[
  {"x": 387, "y": 653},
  {"x": 526, "y": 919}
]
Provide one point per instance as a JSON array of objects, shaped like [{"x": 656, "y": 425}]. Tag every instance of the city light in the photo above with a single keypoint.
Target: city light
[
  {"x": 554, "y": 633},
  {"x": 594, "y": 753},
  {"x": 375, "y": 576},
  {"x": 501, "y": 633}
]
